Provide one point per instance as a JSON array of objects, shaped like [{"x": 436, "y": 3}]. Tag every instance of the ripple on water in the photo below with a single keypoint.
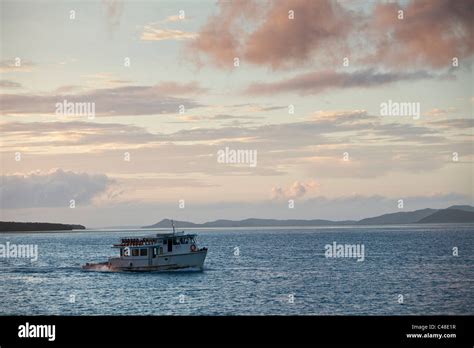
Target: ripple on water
[{"x": 277, "y": 272}]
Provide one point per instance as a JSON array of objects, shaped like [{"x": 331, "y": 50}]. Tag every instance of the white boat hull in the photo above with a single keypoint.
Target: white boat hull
[{"x": 166, "y": 262}]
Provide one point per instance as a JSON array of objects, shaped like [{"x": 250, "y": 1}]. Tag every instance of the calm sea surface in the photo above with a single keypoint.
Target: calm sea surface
[{"x": 274, "y": 267}]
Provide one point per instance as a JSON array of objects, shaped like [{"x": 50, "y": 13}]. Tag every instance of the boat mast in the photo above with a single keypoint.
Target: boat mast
[{"x": 172, "y": 224}]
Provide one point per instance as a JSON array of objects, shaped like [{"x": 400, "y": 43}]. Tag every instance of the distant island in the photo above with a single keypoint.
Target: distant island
[
  {"x": 453, "y": 214},
  {"x": 10, "y": 226}
]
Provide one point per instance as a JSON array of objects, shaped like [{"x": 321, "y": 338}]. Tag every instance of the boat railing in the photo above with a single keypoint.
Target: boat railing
[
  {"x": 151, "y": 240},
  {"x": 137, "y": 242}
]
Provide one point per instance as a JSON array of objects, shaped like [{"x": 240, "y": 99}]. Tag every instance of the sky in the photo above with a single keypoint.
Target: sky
[{"x": 303, "y": 86}]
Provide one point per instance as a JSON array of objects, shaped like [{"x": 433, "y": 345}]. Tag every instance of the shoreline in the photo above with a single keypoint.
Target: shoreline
[{"x": 144, "y": 230}]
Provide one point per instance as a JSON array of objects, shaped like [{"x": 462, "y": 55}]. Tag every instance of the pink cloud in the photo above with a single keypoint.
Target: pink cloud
[
  {"x": 431, "y": 33},
  {"x": 153, "y": 32},
  {"x": 296, "y": 190},
  {"x": 317, "y": 27},
  {"x": 220, "y": 38},
  {"x": 277, "y": 41}
]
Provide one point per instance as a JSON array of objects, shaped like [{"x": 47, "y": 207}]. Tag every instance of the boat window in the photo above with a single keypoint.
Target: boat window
[
  {"x": 165, "y": 241},
  {"x": 176, "y": 241},
  {"x": 143, "y": 252},
  {"x": 134, "y": 252}
]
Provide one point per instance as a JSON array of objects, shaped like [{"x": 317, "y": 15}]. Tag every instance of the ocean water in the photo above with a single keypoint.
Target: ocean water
[{"x": 276, "y": 272}]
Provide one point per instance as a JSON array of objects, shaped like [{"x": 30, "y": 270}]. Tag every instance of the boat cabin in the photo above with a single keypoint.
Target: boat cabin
[{"x": 159, "y": 244}]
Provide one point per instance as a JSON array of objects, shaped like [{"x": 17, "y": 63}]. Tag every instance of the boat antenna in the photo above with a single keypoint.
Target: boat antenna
[{"x": 172, "y": 224}]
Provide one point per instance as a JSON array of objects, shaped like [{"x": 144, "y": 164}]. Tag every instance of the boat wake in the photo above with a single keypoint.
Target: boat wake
[
  {"x": 98, "y": 267},
  {"x": 107, "y": 268},
  {"x": 189, "y": 269}
]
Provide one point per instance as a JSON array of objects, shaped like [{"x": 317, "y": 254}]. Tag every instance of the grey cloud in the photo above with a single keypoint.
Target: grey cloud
[
  {"x": 318, "y": 82},
  {"x": 375, "y": 147},
  {"x": 53, "y": 189},
  {"x": 10, "y": 84},
  {"x": 461, "y": 123},
  {"x": 230, "y": 117},
  {"x": 8, "y": 65},
  {"x": 81, "y": 133},
  {"x": 120, "y": 101}
]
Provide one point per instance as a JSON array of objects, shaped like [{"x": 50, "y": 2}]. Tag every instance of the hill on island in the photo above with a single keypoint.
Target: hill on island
[
  {"x": 10, "y": 226},
  {"x": 448, "y": 216},
  {"x": 453, "y": 214}
]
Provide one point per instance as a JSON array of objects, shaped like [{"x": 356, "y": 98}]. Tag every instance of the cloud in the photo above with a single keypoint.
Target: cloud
[
  {"x": 296, "y": 190},
  {"x": 376, "y": 147},
  {"x": 339, "y": 117},
  {"x": 238, "y": 123},
  {"x": 118, "y": 101},
  {"x": 113, "y": 12},
  {"x": 323, "y": 128},
  {"x": 152, "y": 32},
  {"x": 174, "y": 18},
  {"x": 68, "y": 89},
  {"x": 276, "y": 41},
  {"x": 220, "y": 38},
  {"x": 317, "y": 82},
  {"x": 104, "y": 80},
  {"x": 318, "y": 26},
  {"x": 53, "y": 189},
  {"x": 74, "y": 133},
  {"x": 440, "y": 112},
  {"x": 10, "y": 84},
  {"x": 459, "y": 123},
  {"x": 174, "y": 88},
  {"x": 10, "y": 65},
  {"x": 219, "y": 117},
  {"x": 431, "y": 33}
]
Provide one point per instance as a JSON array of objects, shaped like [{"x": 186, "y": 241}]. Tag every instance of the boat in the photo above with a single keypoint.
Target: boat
[{"x": 157, "y": 252}]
